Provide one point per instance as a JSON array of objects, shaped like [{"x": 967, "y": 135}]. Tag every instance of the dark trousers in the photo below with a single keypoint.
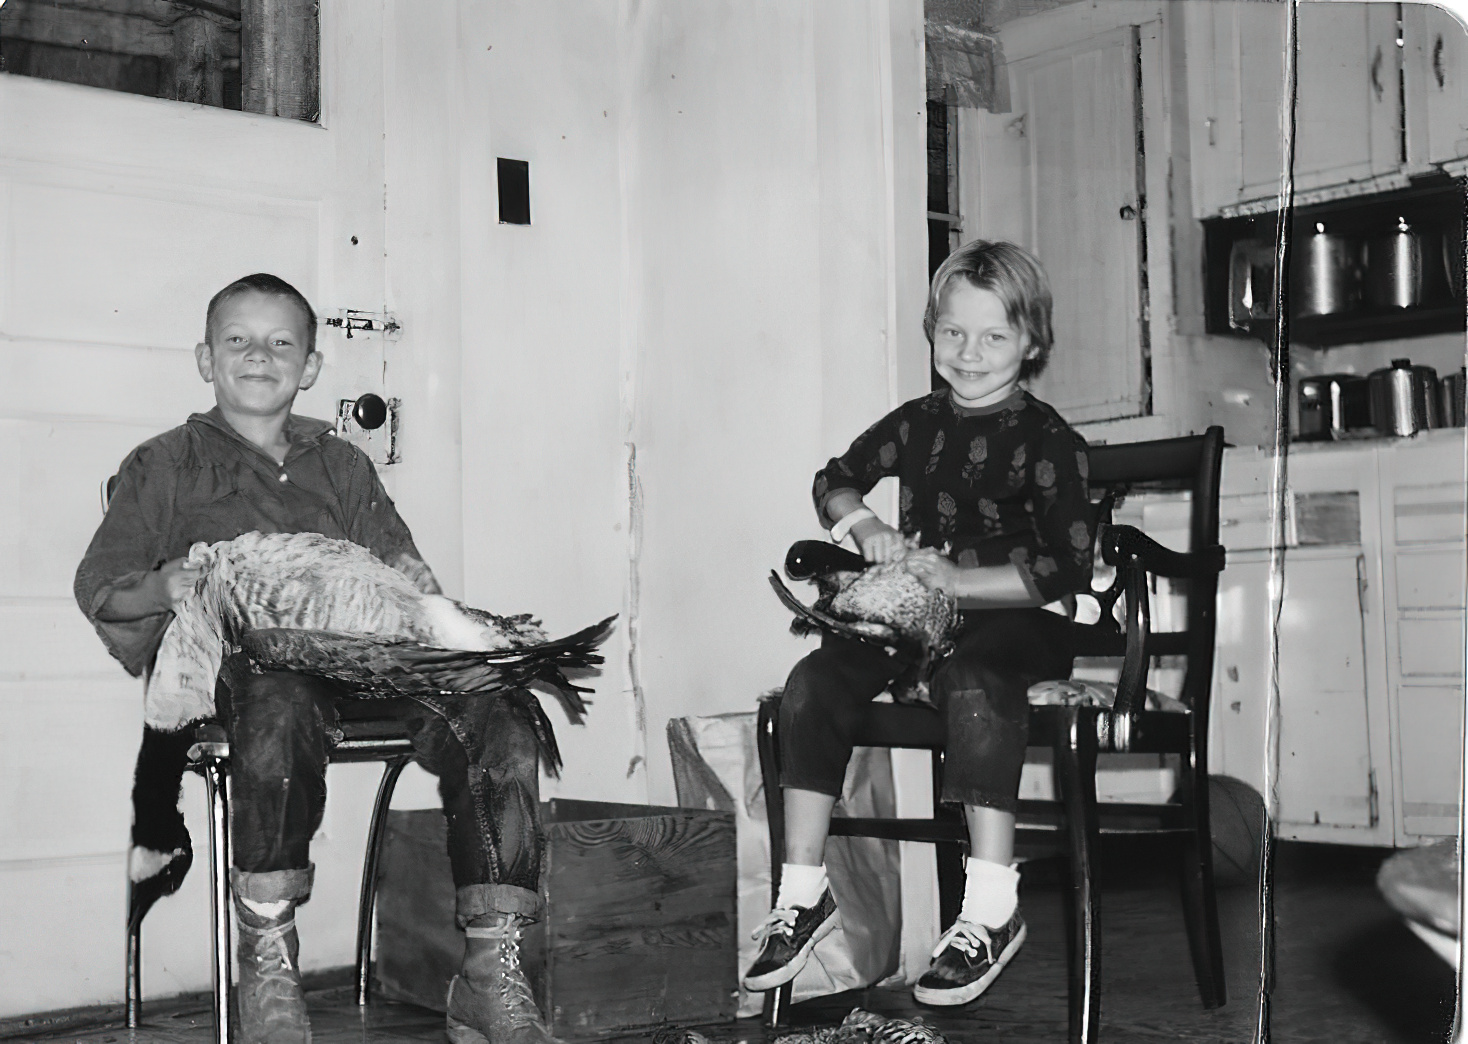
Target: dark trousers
[
  {"x": 281, "y": 728},
  {"x": 981, "y": 691}
]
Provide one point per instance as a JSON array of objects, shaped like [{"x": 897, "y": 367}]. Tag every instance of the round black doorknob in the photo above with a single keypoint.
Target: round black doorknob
[{"x": 370, "y": 412}]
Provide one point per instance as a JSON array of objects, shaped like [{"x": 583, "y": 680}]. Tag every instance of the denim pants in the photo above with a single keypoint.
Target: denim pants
[
  {"x": 281, "y": 728},
  {"x": 981, "y": 690}
]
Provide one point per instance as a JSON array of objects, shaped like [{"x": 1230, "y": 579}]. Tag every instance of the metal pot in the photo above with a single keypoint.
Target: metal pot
[
  {"x": 1407, "y": 268},
  {"x": 1450, "y": 398},
  {"x": 1250, "y": 284},
  {"x": 1330, "y": 405},
  {"x": 1404, "y": 398},
  {"x": 1325, "y": 276}
]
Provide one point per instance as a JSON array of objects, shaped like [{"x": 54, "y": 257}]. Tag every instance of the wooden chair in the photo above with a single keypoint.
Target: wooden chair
[
  {"x": 370, "y": 733},
  {"x": 1077, "y": 734}
]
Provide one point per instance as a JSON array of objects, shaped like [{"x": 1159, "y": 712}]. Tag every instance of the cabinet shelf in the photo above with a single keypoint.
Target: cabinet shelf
[{"x": 1435, "y": 203}]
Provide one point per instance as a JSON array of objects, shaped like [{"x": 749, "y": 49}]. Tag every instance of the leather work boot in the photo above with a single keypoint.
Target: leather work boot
[
  {"x": 272, "y": 1008},
  {"x": 489, "y": 1000}
]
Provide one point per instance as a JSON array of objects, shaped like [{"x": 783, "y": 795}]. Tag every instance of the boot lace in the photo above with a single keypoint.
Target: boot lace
[
  {"x": 276, "y": 976},
  {"x": 779, "y": 922},
  {"x": 967, "y": 937},
  {"x": 514, "y": 989}
]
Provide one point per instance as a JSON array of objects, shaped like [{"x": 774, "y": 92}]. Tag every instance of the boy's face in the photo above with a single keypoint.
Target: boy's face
[
  {"x": 257, "y": 355},
  {"x": 974, "y": 347}
]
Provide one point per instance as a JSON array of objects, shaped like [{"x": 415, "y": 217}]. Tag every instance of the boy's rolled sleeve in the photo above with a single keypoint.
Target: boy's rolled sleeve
[
  {"x": 130, "y": 543},
  {"x": 1064, "y": 558}
]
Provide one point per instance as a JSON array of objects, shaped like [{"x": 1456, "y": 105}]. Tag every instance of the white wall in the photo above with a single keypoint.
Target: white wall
[{"x": 704, "y": 309}]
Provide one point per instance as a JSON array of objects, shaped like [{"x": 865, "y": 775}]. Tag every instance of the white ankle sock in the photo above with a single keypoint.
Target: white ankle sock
[
  {"x": 800, "y": 885},
  {"x": 272, "y": 910},
  {"x": 990, "y": 893}
]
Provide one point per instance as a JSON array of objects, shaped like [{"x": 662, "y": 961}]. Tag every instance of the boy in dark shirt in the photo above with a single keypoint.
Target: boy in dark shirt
[
  {"x": 993, "y": 482},
  {"x": 248, "y": 465}
]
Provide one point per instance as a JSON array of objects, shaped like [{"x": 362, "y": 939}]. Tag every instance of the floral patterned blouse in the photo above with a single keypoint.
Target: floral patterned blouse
[{"x": 988, "y": 485}]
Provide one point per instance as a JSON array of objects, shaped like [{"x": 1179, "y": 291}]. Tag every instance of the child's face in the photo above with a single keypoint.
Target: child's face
[
  {"x": 257, "y": 355},
  {"x": 974, "y": 347}
]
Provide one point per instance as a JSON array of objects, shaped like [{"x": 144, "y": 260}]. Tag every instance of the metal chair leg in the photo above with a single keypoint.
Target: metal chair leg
[
  {"x": 215, "y": 771},
  {"x": 368, "y": 899},
  {"x": 1075, "y": 770},
  {"x": 133, "y": 991}
]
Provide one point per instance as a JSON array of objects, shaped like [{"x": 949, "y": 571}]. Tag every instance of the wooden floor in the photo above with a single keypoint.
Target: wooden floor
[{"x": 1347, "y": 971}]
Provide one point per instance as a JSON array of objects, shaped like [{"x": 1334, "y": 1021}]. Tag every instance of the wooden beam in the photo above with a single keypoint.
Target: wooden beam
[
  {"x": 197, "y": 71},
  {"x": 280, "y": 58}
]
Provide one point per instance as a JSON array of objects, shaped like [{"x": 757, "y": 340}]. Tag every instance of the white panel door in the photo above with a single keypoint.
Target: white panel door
[
  {"x": 1081, "y": 132},
  {"x": 119, "y": 217}
]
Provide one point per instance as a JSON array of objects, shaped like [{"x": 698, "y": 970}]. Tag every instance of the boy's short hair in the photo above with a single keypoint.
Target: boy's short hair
[
  {"x": 1016, "y": 277},
  {"x": 263, "y": 283}
]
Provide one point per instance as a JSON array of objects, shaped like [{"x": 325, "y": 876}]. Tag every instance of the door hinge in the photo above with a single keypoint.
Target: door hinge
[
  {"x": 352, "y": 319},
  {"x": 1372, "y": 798}
]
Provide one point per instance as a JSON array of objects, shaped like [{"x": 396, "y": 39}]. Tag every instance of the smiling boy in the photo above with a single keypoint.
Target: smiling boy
[{"x": 250, "y": 465}]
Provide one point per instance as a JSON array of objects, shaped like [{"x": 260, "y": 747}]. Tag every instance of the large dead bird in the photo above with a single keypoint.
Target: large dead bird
[{"x": 329, "y": 607}]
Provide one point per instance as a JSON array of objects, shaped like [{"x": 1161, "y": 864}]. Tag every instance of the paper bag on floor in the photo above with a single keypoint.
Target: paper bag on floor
[{"x": 716, "y": 766}]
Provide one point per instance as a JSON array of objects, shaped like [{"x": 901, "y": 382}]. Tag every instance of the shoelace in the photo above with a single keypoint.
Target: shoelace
[
  {"x": 274, "y": 935},
  {"x": 968, "y": 937},
  {"x": 514, "y": 989},
  {"x": 780, "y": 922}
]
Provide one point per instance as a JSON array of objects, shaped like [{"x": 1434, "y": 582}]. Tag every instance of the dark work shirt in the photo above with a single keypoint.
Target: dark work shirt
[
  {"x": 203, "y": 481},
  {"x": 994, "y": 485}
]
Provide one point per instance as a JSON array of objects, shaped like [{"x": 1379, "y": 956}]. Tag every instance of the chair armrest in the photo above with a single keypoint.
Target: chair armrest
[{"x": 1122, "y": 543}]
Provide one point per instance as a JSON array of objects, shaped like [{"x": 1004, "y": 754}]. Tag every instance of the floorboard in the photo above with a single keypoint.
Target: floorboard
[{"x": 1347, "y": 971}]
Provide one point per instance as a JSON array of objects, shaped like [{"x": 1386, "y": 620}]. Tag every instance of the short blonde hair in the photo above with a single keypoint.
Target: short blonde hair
[{"x": 1012, "y": 274}]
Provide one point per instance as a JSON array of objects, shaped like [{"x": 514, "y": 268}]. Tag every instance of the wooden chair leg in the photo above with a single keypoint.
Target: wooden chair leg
[
  {"x": 215, "y": 769},
  {"x": 1200, "y": 901},
  {"x": 1075, "y": 772},
  {"x": 950, "y": 882},
  {"x": 367, "y": 899}
]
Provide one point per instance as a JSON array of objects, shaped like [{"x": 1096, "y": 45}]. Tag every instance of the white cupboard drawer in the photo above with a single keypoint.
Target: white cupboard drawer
[
  {"x": 1430, "y": 580},
  {"x": 1430, "y": 644},
  {"x": 1428, "y": 514}
]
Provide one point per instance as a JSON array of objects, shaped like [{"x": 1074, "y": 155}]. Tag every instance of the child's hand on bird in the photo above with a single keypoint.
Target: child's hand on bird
[
  {"x": 174, "y": 581},
  {"x": 879, "y": 542},
  {"x": 936, "y": 572}
]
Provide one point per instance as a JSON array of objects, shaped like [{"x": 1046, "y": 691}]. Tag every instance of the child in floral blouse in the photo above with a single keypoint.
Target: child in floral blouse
[{"x": 993, "y": 485}]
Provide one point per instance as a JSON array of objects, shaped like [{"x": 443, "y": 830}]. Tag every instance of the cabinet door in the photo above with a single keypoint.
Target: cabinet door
[
  {"x": 1324, "y": 737},
  {"x": 1210, "y": 32},
  {"x": 1423, "y": 515},
  {"x": 1348, "y": 113},
  {"x": 1437, "y": 84},
  {"x": 1080, "y": 132},
  {"x": 1260, "y": 39}
]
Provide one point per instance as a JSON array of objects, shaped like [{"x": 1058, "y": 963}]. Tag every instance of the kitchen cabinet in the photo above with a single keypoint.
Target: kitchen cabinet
[
  {"x": 1348, "y": 117},
  {"x": 1435, "y": 71},
  {"x": 1333, "y": 737},
  {"x": 1371, "y": 639},
  {"x": 1349, "y": 111},
  {"x": 1234, "y": 56},
  {"x": 1422, "y": 507}
]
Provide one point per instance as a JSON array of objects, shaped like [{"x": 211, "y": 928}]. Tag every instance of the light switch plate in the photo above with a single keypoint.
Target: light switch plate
[{"x": 380, "y": 444}]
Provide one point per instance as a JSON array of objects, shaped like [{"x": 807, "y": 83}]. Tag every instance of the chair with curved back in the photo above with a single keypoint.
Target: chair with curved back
[{"x": 1077, "y": 733}]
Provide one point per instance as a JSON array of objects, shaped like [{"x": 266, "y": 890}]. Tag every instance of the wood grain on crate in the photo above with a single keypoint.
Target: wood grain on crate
[{"x": 640, "y": 920}]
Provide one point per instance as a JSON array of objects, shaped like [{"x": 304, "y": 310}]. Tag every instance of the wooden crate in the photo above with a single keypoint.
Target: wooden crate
[{"x": 639, "y": 924}]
